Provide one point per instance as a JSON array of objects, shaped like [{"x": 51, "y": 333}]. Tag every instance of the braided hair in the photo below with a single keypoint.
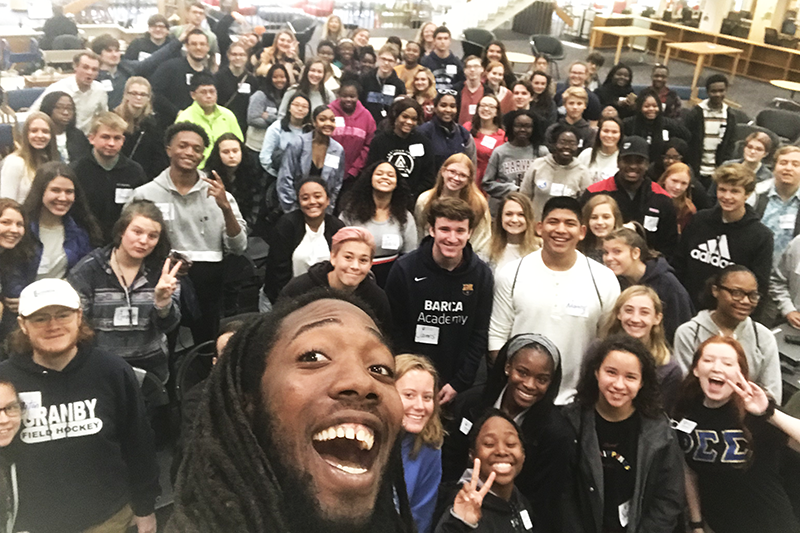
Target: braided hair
[{"x": 226, "y": 481}]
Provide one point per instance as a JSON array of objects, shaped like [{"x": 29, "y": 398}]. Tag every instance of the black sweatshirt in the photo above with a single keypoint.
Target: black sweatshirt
[
  {"x": 171, "y": 85},
  {"x": 377, "y": 95},
  {"x": 367, "y": 290},
  {"x": 107, "y": 191},
  {"x": 412, "y": 156},
  {"x": 233, "y": 92},
  {"x": 708, "y": 245},
  {"x": 442, "y": 314},
  {"x": 102, "y": 455}
]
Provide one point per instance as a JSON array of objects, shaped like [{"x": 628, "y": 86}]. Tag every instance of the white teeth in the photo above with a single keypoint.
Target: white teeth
[
  {"x": 502, "y": 468},
  {"x": 357, "y": 432},
  {"x": 349, "y": 469}
]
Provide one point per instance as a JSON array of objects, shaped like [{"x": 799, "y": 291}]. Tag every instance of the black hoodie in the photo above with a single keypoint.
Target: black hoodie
[
  {"x": 660, "y": 277},
  {"x": 708, "y": 245},
  {"x": 101, "y": 456},
  {"x": 412, "y": 156},
  {"x": 367, "y": 290},
  {"x": 442, "y": 314}
]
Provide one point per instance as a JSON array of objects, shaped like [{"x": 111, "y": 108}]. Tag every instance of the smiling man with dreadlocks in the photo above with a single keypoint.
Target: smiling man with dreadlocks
[{"x": 297, "y": 430}]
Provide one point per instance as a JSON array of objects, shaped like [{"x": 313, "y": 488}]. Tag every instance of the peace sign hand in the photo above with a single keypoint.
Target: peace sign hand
[
  {"x": 216, "y": 190},
  {"x": 754, "y": 397},
  {"x": 167, "y": 284},
  {"x": 467, "y": 504}
]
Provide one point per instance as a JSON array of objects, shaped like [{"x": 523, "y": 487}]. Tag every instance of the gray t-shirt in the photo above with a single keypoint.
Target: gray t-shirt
[
  {"x": 54, "y": 260},
  {"x": 390, "y": 238},
  {"x": 505, "y": 170}
]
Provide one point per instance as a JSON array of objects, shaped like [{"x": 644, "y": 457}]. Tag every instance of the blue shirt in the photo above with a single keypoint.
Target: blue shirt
[
  {"x": 779, "y": 217},
  {"x": 423, "y": 475}
]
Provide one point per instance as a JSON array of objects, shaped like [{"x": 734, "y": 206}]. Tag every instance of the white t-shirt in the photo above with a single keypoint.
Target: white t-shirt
[
  {"x": 54, "y": 260},
  {"x": 564, "y": 306},
  {"x": 311, "y": 250},
  {"x": 604, "y": 165},
  {"x": 61, "y": 144}
]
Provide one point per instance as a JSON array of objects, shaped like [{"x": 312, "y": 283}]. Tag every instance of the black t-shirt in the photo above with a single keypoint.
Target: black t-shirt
[
  {"x": 618, "y": 446},
  {"x": 737, "y": 496}
]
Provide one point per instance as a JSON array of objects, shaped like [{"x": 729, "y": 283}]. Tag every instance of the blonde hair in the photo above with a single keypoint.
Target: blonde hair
[
  {"x": 132, "y": 117},
  {"x": 35, "y": 158},
  {"x": 657, "y": 342},
  {"x": 579, "y": 93},
  {"x": 530, "y": 241},
  {"x": 110, "y": 120},
  {"x": 736, "y": 175},
  {"x": 430, "y": 92},
  {"x": 469, "y": 193},
  {"x": 782, "y": 151},
  {"x": 269, "y": 55},
  {"x": 591, "y": 242},
  {"x": 326, "y": 33},
  {"x": 433, "y": 433}
]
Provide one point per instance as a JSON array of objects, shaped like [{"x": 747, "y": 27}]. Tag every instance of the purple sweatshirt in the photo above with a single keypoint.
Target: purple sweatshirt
[{"x": 355, "y": 135}]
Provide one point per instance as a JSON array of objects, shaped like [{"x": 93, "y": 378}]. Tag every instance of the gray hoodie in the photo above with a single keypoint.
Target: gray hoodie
[
  {"x": 758, "y": 342},
  {"x": 545, "y": 178},
  {"x": 195, "y": 221}
]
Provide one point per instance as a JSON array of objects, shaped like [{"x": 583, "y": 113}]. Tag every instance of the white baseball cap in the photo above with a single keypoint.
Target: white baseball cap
[{"x": 45, "y": 292}]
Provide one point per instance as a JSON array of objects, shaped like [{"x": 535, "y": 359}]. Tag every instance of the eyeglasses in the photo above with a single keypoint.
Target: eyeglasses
[
  {"x": 387, "y": 59},
  {"x": 678, "y": 157},
  {"x": 61, "y": 317},
  {"x": 12, "y": 410},
  {"x": 487, "y": 106},
  {"x": 456, "y": 174},
  {"x": 449, "y": 92},
  {"x": 64, "y": 108},
  {"x": 738, "y": 294},
  {"x": 134, "y": 94}
]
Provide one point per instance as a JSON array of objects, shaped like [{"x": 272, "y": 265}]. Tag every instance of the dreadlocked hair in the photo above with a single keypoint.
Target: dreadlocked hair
[{"x": 226, "y": 482}]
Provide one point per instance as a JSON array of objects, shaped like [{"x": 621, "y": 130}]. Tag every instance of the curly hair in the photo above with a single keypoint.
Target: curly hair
[
  {"x": 358, "y": 204},
  {"x": 647, "y": 401}
]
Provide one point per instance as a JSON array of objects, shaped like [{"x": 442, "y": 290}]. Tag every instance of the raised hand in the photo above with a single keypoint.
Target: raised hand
[
  {"x": 754, "y": 397},
  {"x": 469, "y": 499},
  {"x": 167, "y": 284},
  {"x": 216, "y": 189}
]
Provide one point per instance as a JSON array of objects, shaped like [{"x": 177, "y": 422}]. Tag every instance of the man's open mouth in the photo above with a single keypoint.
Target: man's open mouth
[{"x": 349, "y": 447}]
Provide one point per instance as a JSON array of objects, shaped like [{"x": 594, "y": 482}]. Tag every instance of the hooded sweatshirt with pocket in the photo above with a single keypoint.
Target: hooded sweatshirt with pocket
[
  {"x": 758, "y": 342},
  {"x": 708, "y": 245},
  {"x": 87, "y": 449},
  {"x": 546, "y": 178},
  {"x": 354, "y": 132}
]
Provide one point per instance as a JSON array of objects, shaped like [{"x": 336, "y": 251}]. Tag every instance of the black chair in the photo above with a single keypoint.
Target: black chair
[
  {"x": 303, "y": 29},
  {"x": 785, "y": 104},
  {"x": 744, "y": 130},
  {"x": 68, "y": 42},
  {"x": 741, "y": 116},
  {"x": 194, "y": 367},
  {"x": 771, "y": 36},
  {"x": 785, "y": 124},
  {"x": 475, "y": 41},
  {"x": 550, "y": 47}
]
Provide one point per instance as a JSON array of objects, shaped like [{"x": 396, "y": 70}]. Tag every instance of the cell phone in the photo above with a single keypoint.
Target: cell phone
[{"x": 792, "y": 339}]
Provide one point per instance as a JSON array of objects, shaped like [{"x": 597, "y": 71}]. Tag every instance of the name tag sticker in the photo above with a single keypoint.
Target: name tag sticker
[
  {"x": 244, "y": 88},
  {"x": 107, "y": 85},
  {"x": 143, "y": 56},
  {"x": 685, "y": 425},
  {"x": 465, "y": 426},
  {"x": 624, "y": 511},
  {"x": 526, "y": 519},
  {"x": 451, "y": 69},
  {"x": 390, "y": 242},
  {"x": 383, "y": 112},
  {"x": 787, "y": 221},
  {"x": 389, "y": 90},
  {"x": 416, "y": 150},
  {"x": 339, "y": 122},
  {"x": 580, "y": 143},
  {"x": 472, "y": 108},
  {"x": 122, "y": 194},
  {"x": 189, "y": 78},
  {"x": 427, "y": 334},
  {"x": 665, "y": 135},
  {"x": 557, "y": 189},
  {"x": 489, "y": 142},
  {"x": 272, "y": 110},
  {"x": 331, "y": 161},
  {"x": 32, "y": 400},
  {"x": 650, "y": 223},
  {"x": 577, "y": 309},
  {"x": 166, "y": 210},
  {"x": 126, "y": 316}
]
